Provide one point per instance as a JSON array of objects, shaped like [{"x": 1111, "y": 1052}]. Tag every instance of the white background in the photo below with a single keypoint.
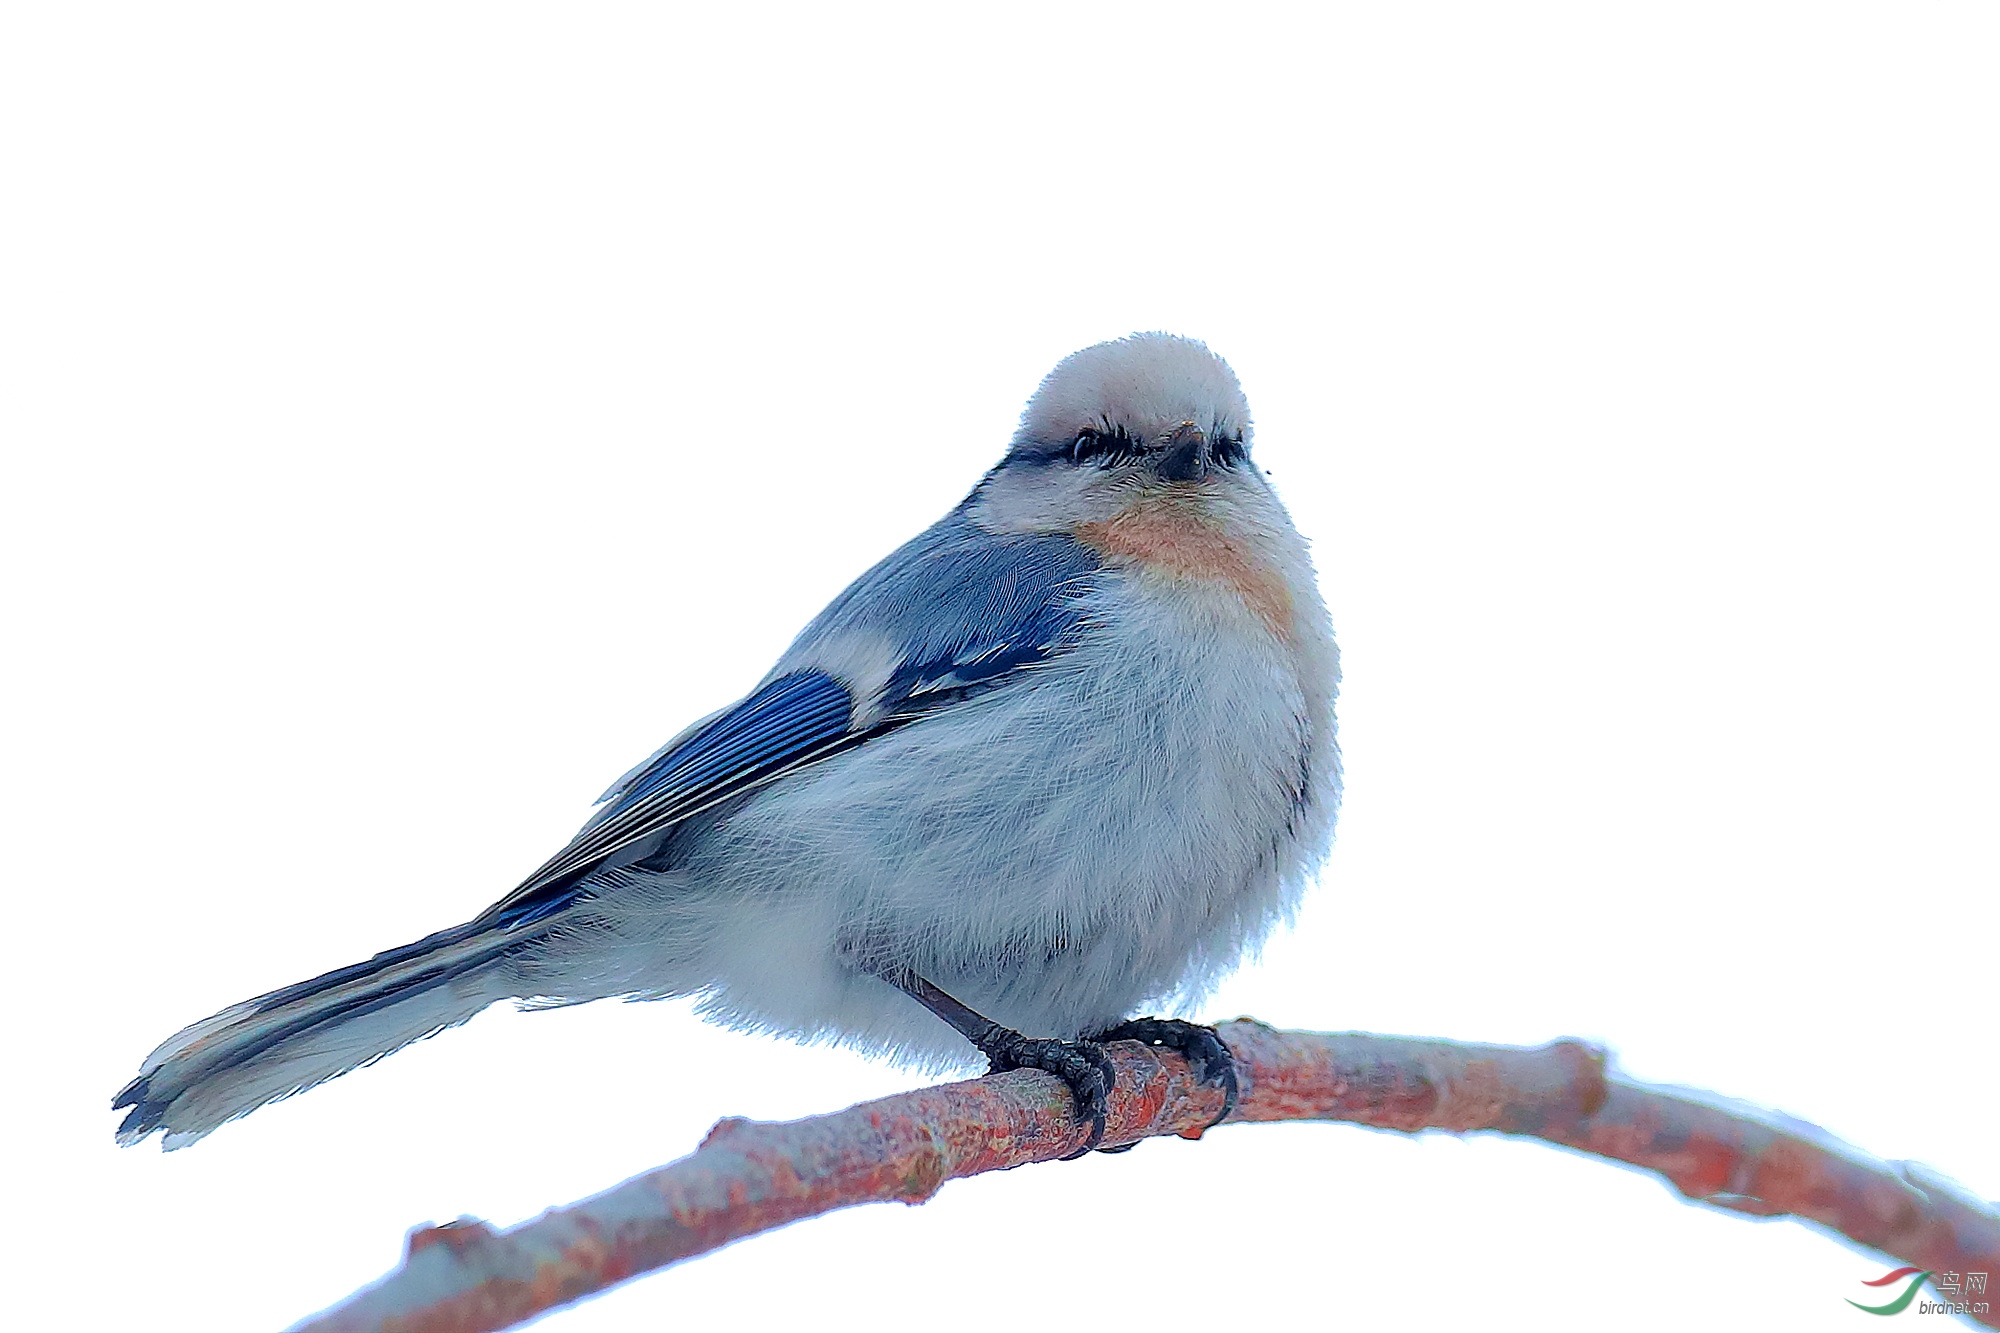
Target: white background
[{"x": 414, "y": 414}]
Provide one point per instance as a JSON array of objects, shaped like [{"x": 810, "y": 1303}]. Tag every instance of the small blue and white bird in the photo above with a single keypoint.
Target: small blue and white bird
[{"x": 1067, "y": 752}]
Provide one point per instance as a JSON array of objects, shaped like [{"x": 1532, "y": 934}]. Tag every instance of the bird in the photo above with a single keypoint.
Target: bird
[{"x": 1067, "y": 753}]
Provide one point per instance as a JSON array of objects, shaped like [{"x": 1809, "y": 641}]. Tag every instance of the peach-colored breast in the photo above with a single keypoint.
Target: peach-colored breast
[{"x": 1178, "y": 540}]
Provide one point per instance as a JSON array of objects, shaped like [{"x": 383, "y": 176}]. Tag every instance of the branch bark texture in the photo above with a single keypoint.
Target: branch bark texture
[{"x": 748, "y": 1177}]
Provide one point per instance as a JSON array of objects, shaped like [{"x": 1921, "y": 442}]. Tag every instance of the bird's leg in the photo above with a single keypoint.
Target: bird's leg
[
  {"x": 1080, "y": 1064},
  {"x": 1206, "y": 1055}
]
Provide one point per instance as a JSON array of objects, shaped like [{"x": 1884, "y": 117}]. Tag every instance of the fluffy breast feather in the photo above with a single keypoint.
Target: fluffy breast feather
[{"x": 1181, "y": 539}]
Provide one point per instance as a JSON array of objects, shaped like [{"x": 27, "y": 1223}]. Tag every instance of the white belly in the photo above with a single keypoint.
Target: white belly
[{"x": 1112, "y": 829}]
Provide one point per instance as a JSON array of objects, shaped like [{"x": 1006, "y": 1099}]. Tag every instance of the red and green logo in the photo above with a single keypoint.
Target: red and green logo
[{"x": 1902, "y": 1302}]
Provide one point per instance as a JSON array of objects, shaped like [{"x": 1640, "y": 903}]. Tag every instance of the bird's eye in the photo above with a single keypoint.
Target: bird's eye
[
  {"x": 1231, "y": 451},
  {"x": 1106, "y": 447}
]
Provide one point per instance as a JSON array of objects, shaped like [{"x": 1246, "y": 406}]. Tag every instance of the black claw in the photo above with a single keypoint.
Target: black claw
[
  {"x": 1081, "y": 1064},
  {"x": 1205, "y": 1053}
]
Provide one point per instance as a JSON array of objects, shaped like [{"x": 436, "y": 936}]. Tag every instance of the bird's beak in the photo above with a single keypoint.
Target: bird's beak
[{"x": 1186, "y": 453}]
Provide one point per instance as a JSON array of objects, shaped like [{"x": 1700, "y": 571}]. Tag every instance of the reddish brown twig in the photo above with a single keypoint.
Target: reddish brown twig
[{"x": 749, "y": 1177}]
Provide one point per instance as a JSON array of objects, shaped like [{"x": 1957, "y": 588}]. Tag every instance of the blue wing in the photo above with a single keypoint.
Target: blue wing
[
  {"x": 966, "y": 611},
  {"x": 790, "y": 721}
]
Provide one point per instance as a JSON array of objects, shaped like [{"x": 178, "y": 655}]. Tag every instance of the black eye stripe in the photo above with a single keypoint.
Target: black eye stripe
[{"x": 1108, "y": 446}]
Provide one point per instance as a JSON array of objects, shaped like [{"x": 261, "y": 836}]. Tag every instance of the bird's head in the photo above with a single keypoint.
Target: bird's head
[{"x": 1142, "y": 418}]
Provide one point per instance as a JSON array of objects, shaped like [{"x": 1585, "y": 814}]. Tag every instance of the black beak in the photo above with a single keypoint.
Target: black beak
[{"x": 1186, "y": 457}]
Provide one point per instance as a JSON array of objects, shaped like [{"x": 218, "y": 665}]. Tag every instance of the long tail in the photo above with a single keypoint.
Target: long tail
[{"x": 261, "y": 1050}]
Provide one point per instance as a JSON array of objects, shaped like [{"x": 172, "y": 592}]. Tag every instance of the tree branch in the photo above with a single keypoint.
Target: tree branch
[{"x": 747, "y": 1177}]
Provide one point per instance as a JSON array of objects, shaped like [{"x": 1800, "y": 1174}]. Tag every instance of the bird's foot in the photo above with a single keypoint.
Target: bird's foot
[
  {"x": 1083, "y": 1065},
  {"x": 1206, "y": 1055}
]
